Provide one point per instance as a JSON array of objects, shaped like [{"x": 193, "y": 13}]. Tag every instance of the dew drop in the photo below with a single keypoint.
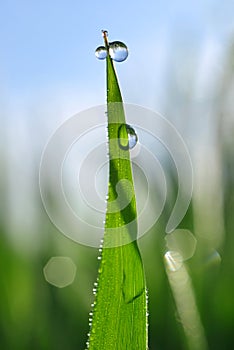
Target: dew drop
[
  {"x": 101, "y": 52},
  {"x": 127, "y": 137},
  {"x": 118, "y": 51}
]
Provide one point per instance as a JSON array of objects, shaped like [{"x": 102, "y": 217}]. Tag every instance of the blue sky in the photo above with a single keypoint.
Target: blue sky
[
  {"x": 48, "y": 71},
  {"x": 44, "y": 43}
]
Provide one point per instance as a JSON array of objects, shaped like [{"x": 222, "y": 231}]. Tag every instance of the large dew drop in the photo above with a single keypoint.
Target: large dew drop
[
  {"x": 101, "y": 52},
  {"x": 127, "y": 137},
  {"x": 118, "y": 51}
]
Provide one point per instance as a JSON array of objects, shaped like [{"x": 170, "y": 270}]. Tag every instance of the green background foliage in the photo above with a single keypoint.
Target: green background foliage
[{"x": 33, "y": 313}]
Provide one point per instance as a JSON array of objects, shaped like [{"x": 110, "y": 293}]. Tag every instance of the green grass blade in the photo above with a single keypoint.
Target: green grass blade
[{"x": 120, "y": 308}]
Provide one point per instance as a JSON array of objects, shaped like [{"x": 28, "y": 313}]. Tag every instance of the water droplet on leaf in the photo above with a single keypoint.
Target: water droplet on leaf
[
  {"x": 127, "y": 137},
  {"x": 101, "y": 52},
  {"x": 118, "y": 51}
]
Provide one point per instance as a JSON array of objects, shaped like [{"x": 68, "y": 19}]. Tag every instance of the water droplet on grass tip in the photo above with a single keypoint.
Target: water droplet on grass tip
[
  {"x": 101, "y": 52},
  {"x": 127, "y": 137},
  {"x": 118, "y": 51}
]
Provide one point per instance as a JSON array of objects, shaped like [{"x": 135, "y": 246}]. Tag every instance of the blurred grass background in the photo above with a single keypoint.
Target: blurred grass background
[
  {"x": 34, "y": 314},
  {"x": 200, "y": 103}
]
